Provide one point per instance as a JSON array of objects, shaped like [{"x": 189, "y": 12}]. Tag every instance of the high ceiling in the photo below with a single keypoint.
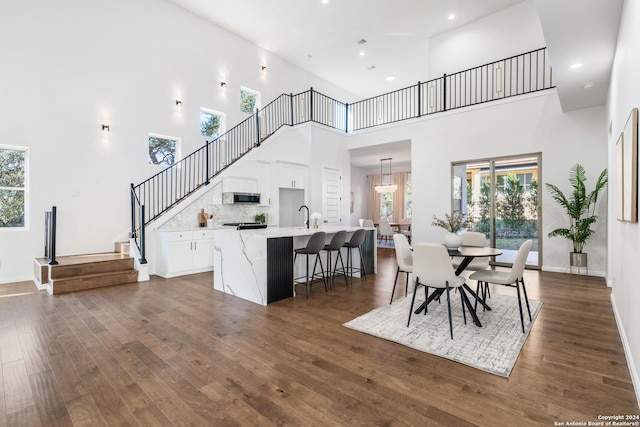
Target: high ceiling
[{"x": 321, "y": 36}]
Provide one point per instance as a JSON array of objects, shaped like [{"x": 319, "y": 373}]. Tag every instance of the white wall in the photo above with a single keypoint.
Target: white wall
[
  {"x": 360, "y": 190},
  {"x": 67, "y": 67},
  {"x": 523, "y": 125},
  {"x": 624, "y": 250},
  {"x": 509, "y": 32}
]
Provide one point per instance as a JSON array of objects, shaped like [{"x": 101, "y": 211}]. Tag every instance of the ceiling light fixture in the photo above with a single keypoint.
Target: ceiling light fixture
[
  {"x": 451, "y": 17},
  {"x": 105, "y": 129},
  {"x": 390, "y": 78},
  {"x": 264, "y": 67},
  {"x": 589, "y": 85},
  {"x": 361, "y": 41},
  {"x": 178, "y": 104},
  {"x": 325, "y": 1},
  {"x": 386, "y": 184},
  {"x": 576, "y": 65},
  {"x": 362, "y": 53},
  {"x": 223, "y": 84},
  {"x": 371, "y": 67}
]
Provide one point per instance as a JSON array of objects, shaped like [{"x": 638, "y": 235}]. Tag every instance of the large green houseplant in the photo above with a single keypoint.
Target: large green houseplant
[{"x": 580, "y": 208}]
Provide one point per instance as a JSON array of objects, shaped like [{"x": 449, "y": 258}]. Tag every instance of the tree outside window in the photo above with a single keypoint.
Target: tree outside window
[
  {"x": 408, "y": 199},
  {"x": 163, "y": 150},
  {"x": 249, "y": 100},
  {"x": 211, "y": 123},
  {"x": 13, "y": 187},
  {"x": 386, "y": 205}
]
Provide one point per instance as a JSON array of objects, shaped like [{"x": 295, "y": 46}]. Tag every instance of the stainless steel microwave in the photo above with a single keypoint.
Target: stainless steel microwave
[{"x": 234, "y": 198}]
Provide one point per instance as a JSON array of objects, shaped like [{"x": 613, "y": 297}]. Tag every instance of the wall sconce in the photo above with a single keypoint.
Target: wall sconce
[
  {"x": 178, "y": 104},
  {"x": 223, "y": 84},
  {"x": 105, "y": 129},
  {"x": 264, "y": 67}
]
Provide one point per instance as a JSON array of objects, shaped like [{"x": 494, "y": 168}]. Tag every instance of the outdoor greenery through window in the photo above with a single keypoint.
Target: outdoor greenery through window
[
  {"x": 163, "y": 150},
  {"x": 13, "y": 187},
  {"x": 211, "y": 123},
  {"x": 249, "y": 100}
]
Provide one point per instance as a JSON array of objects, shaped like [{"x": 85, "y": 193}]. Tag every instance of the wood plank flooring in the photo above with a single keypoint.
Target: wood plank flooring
[{"x": 176, "y": 352}]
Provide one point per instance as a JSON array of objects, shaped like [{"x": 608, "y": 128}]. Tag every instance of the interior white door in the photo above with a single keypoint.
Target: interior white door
[{"x": 331, "y": 196}]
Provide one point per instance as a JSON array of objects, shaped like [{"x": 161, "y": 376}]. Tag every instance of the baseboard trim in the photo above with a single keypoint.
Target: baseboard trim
[
  {"x": 568, "y": 271},
  {"x": 627, "y": 350}
]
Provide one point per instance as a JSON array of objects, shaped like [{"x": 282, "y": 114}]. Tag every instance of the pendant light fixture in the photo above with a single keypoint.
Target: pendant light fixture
[{"x": 386, "y": 184}]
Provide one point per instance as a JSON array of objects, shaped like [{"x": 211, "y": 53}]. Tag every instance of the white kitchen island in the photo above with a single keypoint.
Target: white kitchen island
[{"x": 257, "y": 265}]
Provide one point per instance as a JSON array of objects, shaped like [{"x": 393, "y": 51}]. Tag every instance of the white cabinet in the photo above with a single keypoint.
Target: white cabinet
[
  {"x": 264, "y": 183},
  {"x": 184, "y": 252},
  {"x": 234, "y": 184},
  {"x": 291, "y": 176}
]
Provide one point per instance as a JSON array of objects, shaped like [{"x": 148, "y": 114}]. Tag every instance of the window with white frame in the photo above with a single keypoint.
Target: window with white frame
[
  {"x": 249, "y": 100},
  {"x": 212, "y": 123},
  {"x": 13, "y": 187},
  {"x": 164, "y": 150}
]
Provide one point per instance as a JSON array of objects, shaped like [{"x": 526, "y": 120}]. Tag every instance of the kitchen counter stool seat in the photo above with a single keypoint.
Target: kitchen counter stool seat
[{"x": 313, "y": 247}]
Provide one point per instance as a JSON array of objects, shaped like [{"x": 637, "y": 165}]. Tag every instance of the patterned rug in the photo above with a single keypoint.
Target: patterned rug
[{"x": 492, "y": 348}]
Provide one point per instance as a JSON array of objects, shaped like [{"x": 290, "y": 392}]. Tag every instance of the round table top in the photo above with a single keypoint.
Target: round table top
[{"x": 474, "y": 251}]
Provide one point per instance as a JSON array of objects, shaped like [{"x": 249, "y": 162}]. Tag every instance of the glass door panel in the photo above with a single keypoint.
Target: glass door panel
[{"x": 500, "y": 198}]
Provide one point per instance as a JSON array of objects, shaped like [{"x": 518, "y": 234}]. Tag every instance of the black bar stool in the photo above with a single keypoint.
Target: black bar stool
[
  {"x": 314, "y": 246},
  {"x": 357, "y": 238},
  {"x": 335, "y": 245}
]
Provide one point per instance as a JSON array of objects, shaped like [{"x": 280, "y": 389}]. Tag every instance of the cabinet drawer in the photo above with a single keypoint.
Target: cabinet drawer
[
  {"x": 180, "y": 236},
  {"x": 204, "y": 234}
]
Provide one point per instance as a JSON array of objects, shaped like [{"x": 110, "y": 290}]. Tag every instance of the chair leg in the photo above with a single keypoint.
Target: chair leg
[
  {"x": 520, "y": 304},
  {"x": 406, "y": 284},
  {"x": 526, "y": 298},
  {"x": 478, "y": 291},
  {"x": 362, "y": 266},
  {"x": 412, "y": 301},
  {"x": 449, "y": 308},
  {"x": 394, "y": 284},
  {"x": 344, "y": 274},
  {"x": 294, "y": 280},
  {"x": 426, "y": 298},
  {"x": 462, "y": 298},
  {"x": 313, "y": 275}
]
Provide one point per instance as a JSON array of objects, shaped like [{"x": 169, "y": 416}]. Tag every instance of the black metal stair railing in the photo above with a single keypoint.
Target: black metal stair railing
[{"x": 518, "y": 75}]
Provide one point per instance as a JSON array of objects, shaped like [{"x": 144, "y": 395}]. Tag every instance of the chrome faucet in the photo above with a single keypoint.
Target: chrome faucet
[{"x": 307, "y": 208}]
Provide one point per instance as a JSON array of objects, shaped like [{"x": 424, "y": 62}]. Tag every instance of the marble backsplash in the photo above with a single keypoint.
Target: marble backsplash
[{"x": 211, "y": 202}]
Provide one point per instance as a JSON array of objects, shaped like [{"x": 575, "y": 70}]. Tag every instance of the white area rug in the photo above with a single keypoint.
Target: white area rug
[{"x": 492, "y": 348}]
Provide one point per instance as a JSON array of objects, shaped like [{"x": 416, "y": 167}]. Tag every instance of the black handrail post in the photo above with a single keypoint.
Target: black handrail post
[
  {"x": 143, "y": 259},
  {"x": 257, "y": 128},
  {"x": 311, "y": 104},
  {"x": 52, "y": 237},
  {"x": 291, "y": 103},
  {"x": 133, "y": 213},
  {"x": 419, "y": 100},
  {"x": 444, "y": 92},
  {"x": 346, "y": 118},
  {"x": 207, "y": 163}
]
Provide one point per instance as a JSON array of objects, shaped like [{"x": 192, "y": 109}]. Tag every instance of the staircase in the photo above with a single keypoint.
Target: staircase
[{"x": 80, "y": 272}]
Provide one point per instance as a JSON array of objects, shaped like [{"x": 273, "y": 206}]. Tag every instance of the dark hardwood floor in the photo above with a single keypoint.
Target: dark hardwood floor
[{"x": 176, "y": 352}]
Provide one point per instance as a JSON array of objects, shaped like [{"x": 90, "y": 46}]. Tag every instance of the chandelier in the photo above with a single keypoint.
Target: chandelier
[{"x": 386, "y": 184}]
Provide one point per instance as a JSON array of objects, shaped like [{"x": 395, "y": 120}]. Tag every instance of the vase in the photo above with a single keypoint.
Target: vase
[
  {"x": 452, "y": 240},
  {"x": 315, "y": 223}
]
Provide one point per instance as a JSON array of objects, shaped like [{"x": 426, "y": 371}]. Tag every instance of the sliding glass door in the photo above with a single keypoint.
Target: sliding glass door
[{"x": 500, "y": 197}]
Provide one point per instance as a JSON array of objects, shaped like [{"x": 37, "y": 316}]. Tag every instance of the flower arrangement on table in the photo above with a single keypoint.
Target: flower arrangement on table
[
  {"x": 316, "y": 217},
  {"x": 451, "y": 223}
]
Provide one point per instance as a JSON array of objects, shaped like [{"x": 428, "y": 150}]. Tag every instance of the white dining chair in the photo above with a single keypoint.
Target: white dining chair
[
  {"x": 513, "y": 278},
  {"x": 385, "y": 231},
  {"x": 476, "y": 239},
  {"x": 404, "y": 258},
  {"x": 367, "y": 223},
  {"x": 432, "y": 268}
]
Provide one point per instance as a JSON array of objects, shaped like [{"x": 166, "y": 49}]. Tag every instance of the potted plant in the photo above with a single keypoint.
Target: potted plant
[
  {"x": 580, "y": 207},
  {"x": 452, "y": 224}
]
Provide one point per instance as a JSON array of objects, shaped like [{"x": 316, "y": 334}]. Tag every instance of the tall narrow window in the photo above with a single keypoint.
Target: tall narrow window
[
  {"x": 249, "y": 100},
  {"x": 212, "y": 123},
  {"x": 164, "y": 150},
  {"x": 408, "y": 199},
  {"x": 13, "y": 187}
]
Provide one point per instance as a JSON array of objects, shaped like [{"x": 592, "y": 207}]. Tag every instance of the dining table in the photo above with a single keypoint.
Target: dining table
[{"x": 468, "y": 253}]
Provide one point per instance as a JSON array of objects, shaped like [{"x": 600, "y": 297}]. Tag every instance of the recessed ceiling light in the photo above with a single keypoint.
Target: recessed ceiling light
[
  {"x": 390, "y": 78},
  {"x": 362, "y": 53},
  {"x": 576, "y": 65},
  {"x": 589, "y": 85},
  {"x": 325, "y": 1},
  {"x": 452, "y": 17}
]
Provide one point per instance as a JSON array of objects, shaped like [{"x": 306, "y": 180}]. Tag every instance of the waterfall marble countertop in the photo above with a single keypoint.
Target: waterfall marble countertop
[{"x": 257, "y": 264}]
